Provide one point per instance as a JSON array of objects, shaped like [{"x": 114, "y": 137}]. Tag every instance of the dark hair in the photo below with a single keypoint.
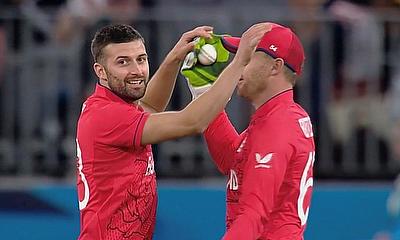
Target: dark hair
[{"x": 119, "y": 33}]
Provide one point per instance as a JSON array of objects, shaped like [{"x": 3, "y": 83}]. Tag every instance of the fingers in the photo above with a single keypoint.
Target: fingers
[
  {"x": 189, "y": 46},
  {"x": 186, "y": 42},
  {"x": 256, "y": 32},
  {"x": 203, "y": 31},
  {"x": 249, "y": 41},
  {"x": 252, "y": 36}
]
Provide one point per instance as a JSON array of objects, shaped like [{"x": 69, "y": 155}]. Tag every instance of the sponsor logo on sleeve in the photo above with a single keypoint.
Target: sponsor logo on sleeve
[{"x": 306, "y": 127}]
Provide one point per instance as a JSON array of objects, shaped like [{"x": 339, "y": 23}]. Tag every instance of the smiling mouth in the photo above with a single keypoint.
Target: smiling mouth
[{"x": 135, "y": 82}]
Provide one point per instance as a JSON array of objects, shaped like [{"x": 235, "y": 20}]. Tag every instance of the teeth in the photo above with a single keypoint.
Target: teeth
[{"x": 135, "y": 82}]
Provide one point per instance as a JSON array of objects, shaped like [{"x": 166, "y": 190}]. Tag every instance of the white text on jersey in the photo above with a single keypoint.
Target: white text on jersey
[
  {"x": 233, "y": 181},
  {"x": 150, "y": 165}
]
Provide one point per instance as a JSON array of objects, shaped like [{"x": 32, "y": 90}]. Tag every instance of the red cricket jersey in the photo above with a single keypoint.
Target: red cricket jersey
[
  {"x": 116, "y": 179},
  {"x": 270, "y": 171}
]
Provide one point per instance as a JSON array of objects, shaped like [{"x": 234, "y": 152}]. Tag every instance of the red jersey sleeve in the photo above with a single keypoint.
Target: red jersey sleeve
[
  {"x": 221, "y": 138},
  {"x": 120, "y": 125},
  {"x": 269, "y": 154}
]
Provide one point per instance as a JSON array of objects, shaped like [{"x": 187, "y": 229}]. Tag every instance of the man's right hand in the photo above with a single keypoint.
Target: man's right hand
[{"x": 186, "y": 43}]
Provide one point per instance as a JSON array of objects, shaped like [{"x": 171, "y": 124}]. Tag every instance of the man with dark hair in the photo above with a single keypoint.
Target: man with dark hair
[
  {"x": 116, "y": 177},
  {"x": 269, "y": 165},
  {"x": 113, "y": 34}
]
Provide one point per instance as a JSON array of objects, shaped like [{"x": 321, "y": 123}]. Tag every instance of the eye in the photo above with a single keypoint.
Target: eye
[
  {"x": 142, "y": 59},
  {"x": 122, "y": 61}
]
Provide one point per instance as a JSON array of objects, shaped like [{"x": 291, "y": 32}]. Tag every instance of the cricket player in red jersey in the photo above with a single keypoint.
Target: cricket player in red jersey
[
  {"x": 270, "y": 164},
  {"x": 116, "y": 176}
]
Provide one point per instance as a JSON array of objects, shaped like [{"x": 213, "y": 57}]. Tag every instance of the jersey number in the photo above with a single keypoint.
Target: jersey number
[
  {"x": 305, "y": 183},
  {"x": 84, "y": 202}
]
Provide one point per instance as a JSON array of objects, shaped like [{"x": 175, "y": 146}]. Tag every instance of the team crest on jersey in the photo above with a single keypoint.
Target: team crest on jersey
[
  {"x": 233, "y": 183},
  {"x": 306, "y": 127},
  {"x": 150, "y": 165}
]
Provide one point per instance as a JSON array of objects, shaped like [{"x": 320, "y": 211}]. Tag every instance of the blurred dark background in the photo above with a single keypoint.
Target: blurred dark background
[{"x": 350, "y": 84}]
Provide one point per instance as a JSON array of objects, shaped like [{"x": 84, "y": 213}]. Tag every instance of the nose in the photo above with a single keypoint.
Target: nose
[{"x": 136, "y": 69}]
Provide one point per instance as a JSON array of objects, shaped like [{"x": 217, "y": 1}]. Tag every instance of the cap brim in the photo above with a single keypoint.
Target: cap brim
[{"x": 231, "y": 43}]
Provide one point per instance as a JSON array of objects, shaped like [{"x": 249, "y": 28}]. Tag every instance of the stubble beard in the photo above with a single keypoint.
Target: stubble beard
[{"x": 120, "y": 87}]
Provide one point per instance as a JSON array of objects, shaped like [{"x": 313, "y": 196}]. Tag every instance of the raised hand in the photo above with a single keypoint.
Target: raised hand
[
  {"x": 249, "y": 41},
  {"x": 186, "y": 43}
]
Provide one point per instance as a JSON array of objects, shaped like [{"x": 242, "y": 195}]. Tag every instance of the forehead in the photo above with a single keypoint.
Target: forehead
[
  {"x": 261, "y": 58},
  {"x": 131, "y": 49}
]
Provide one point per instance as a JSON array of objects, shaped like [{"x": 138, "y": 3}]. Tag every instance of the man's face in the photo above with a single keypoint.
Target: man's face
[
  {"x": 127, "y": 69},
  {"x": 254, "y": 78}
]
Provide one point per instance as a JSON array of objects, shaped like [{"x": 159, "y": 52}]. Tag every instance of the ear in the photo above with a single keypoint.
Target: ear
[
  {"x": 277, "y": 66},
  {"x": 100, "y": 71}
]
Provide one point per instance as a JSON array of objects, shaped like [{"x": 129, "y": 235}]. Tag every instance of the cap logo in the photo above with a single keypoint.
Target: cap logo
[{"x": 273, "y": 48}]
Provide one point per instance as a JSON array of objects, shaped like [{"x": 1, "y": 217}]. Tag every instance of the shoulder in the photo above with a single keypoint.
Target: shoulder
[
  {"x": 103, "y": 111},
  {"x": 284, "y": 122},
  {"x": 288, "y": 114},
  {"x": 116, "y": 108}
]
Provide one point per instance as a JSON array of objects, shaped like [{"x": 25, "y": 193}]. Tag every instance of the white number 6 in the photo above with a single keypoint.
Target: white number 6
[{"x": 304, "y": 185}]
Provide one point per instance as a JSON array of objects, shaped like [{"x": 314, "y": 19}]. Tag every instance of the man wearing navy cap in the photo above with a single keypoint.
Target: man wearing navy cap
[{"x": 270, "y": 164}]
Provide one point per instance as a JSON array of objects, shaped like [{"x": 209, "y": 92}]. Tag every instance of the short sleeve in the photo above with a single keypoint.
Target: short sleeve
[
  {"x": 120, "y": 125},
  {"x": 137, "y": 139}
]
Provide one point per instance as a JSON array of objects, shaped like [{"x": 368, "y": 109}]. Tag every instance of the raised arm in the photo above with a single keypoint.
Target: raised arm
[
  {"x": 198, "y": 114},
  {"x": 161, "y": 85},
  {"x": 222, "y": 141}
]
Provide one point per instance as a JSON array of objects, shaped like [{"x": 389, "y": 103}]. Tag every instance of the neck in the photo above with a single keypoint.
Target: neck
[{"x": 103, "y": 83}]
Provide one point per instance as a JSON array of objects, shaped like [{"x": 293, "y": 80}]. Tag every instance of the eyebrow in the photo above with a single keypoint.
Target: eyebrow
[{"x": 124, "y": 57}]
